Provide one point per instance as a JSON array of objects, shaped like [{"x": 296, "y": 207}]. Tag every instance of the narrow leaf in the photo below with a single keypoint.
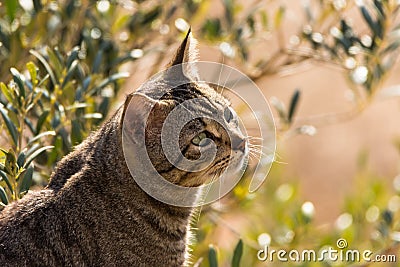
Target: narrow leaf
[
  {"x": 70, "y": 72},
  {"x": 3, "y": 196},
  {"x": 97, "y": 61},
  {"x": 293, "y": 105},
  {"x": 10, "y": 162},
  {"x": 73, "y": 55},
  {"x": 374, "y": 26},
  {"x": 36, "y": 154},
  {"x": 37, "y": 5},
  {"x": 5, "y": 179},
  {"x": 19, "y": 80},
  {"x": 93, "y": 116},
  {"x": 379, "y": 6},
  {"x": 45, "y": 64},
  {"x": 6, "y": 92},
  {"x": 11, "y": 7},
  {"x": 112, "y": 78},
  {"x": 21, "y": 159},
  {"x": 10, "y": 126},
  {"x": 26, "y": 180},
  {"x": 41, "y": 121},
  {"x": 37, "y": 137},
  {"x": 54, "y": 61},
  {"x": 212, "y": 256},
  {"x": 76, "y": 132},
  {"x": 237, "y": 254},
  {"x": 279, "y": 16},
  {"x": 32, "y": 72}
]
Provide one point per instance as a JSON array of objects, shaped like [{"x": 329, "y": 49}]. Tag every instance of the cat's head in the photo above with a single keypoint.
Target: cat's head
[{"x": 213, "y": 127}]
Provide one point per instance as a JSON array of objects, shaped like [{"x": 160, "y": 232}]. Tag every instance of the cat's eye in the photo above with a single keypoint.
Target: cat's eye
[
  {"x": 201, "y": 139},
  {"x": 228, "y": 114}
]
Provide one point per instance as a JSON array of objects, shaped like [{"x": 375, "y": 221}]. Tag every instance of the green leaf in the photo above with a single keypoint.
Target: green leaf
[
  {"x": 212, "y": 256},
  {"x": 237, "y": 254},
  {"x": 293, "y": 105},
  {"x": 10, "y": 164},
  {"x": 105, "y": 82},
  {"x": 34, "y": 100},
  {"x": 251, "y": 23},
  {"x": 86, "y": 83},
  {"x": 54, "y": 61},
  {"x": 55, "y": 153},
  {"x": 19, "y": 80},
  {"x": 73, "y": 55},
  {"x": 41, "y": 121},
  {"x": 212, "y": 29},
  {"x": 97, "y": 61},
  {"x": 374, "y": 26},
  {"x": 76, "y": 132},
  {"x": 35, "y": 154},
  {"x": 379, "y": 6},
  {"x": 264, "y": 19},
  {"x": 26, "y": 180},
  {"x": 5, "y": 178},
  {"x": 37, "y": 5},
  {"x": 3, "y": 196},
  {"x": 37, "y": 137},
  {"x": 10, "y": 126},
  {"x": 387, "y": 217},
  {"x": 392, "y": 47},
  {"x": 21, "y": 159},
  {"x": 32, "y": 72},
  {"x": 11, "y": 7},
  {"x": 6, "y": 92},
  {"x": 228, "y": 4},
  {"x": 45, "y": 64},
  {"x": 93, "y": 116},
  {"x": 279, "y": 16},
  {"x": 104, "y": 106},
  {"x": 70, "y": 72}
]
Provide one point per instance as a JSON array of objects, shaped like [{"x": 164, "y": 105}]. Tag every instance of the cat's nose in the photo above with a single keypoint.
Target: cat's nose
[{"x": 238, "y": 143}]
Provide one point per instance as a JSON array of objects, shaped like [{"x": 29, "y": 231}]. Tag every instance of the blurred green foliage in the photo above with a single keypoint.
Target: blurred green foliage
[{"x": 61, "y": 67}]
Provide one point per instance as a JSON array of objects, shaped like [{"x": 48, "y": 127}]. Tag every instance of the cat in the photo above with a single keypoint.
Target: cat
[{"x": 93, "y": 213}]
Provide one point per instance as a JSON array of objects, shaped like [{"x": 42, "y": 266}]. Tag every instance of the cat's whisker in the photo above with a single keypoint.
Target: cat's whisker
[
  {"x": 253, "y": 138},
  {"x": 233, "y": 86},
  {"x": 220, "y": 73},
  {"x": 226, "y": 80},
  {"x": 281, "y": 162},
  {"x": 263, "y": 148},
  {"x": 255, "y": 145},
  {"x": 256, "y": 154},
  {"x": 259, "y": 150}
]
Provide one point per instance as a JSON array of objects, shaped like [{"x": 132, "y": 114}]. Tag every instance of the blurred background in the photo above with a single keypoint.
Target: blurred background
[{"x": 329, "y": 69}]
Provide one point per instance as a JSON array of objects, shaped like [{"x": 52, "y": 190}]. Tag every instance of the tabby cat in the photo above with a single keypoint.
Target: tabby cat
[{"x": 93, "y": 213}]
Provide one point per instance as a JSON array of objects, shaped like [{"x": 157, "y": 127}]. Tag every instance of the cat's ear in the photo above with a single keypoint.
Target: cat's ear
[
  {"x": 187, "y": 55},
  {"x": 138, "y": 111},
  {"x": 187, "y": 51}
]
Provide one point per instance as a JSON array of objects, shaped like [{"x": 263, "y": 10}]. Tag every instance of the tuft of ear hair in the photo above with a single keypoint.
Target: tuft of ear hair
[{"x": 187, "y": 51}]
